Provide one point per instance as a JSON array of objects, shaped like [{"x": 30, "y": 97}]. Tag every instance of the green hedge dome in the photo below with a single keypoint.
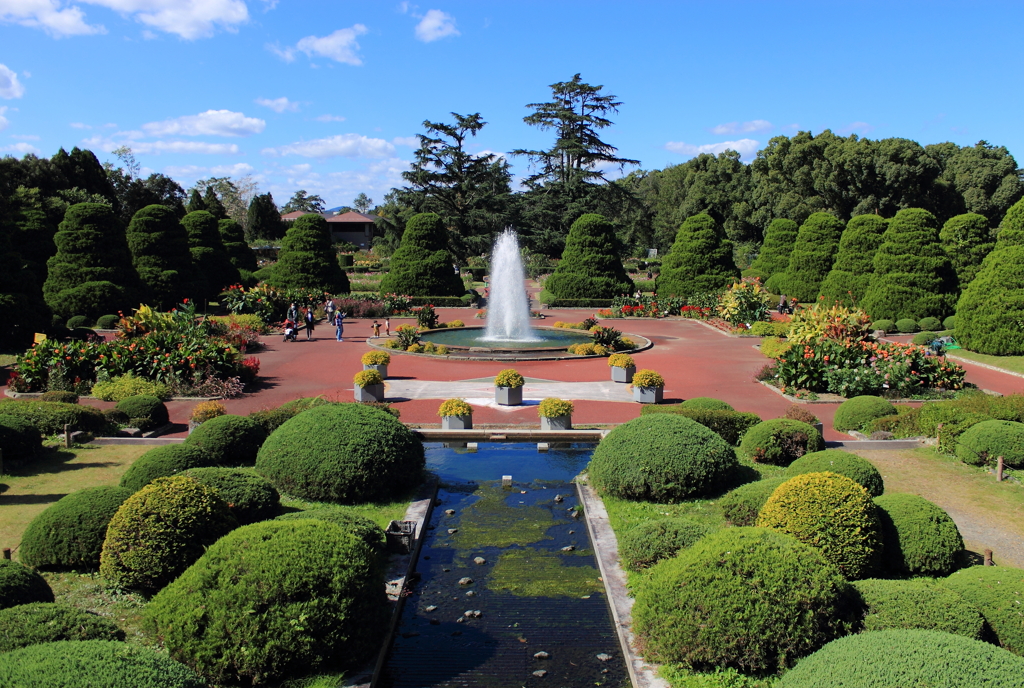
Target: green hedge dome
[
  {"x": 997, "y": 592},
  {"x": 250, "y": 497},
  {"x": 844, "y": 463},
  {"x": 919, "y": 604},
  {"x": 229, "y": 440},
  {"x": 162, "y": 462},
  {"x": 856, "y": 412},
  {"x": 918, "y": 537},
  {"x": 363, "y": 528},
  {"x": 21, "y": 585},
  {"x": 45, "y": 622},
  {"x": 708, "y": 403},
  {"x": 20, "y": 440},
  {"x": 148, "y": 412},
  {"x": 647, "y": 543},
  {"x": 780, "y": 441},
  {"x": 69, "y": 533},
  {"x": 983, "y": 443},
  {"x": 741, "y": 506}
]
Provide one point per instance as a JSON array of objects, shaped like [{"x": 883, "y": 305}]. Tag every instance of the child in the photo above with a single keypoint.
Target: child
[
  {"x": 387, "y": 326},
  {"x": 339, "y": 324},
  {"x": 376, "y": 329}
]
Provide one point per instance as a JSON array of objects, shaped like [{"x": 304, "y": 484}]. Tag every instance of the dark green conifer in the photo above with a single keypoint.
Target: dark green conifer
[
  {"x": 233, "y": 237},
  {"x": 967, "y": 240},
  {"x": 307, "y": 259},
  {"x": 590, "y": 267},
  {"x": 812, "y": 257},
  {"x": 22, "y": 310},
  {"x": 773, "y": 257},
  {"x": 213, "y": 204},
  {"x": 214, "y": 270},
  {"x": 700, "y": 260},
  {"x": 160, "y": 253},
  {"x": 263, "y": 220},
  {"x": 848, "y": 280},
  {"x": 422, "y": 265},
  {"x": 195, "y": 202}
]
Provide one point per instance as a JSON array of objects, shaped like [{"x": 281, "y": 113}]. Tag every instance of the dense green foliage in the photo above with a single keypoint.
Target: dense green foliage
[
  {"x": 348, "y": 453},
  {"x": 856, "y": 412},
  {"x": 812, "y": 257},
  {"x": 906, "y": 326},
  {"x": 307, "y": 260},
  {"x": 700, "y": 261},
  {"x": 861, "y": 471},
  {"x": 848, "y": 280},
  {"x": 742, "y": 505},
  {"x": 69, "y": 533},
  {"x": 996, "y": 592},
  {"x": 422, "y": 265},
  {"x": 590, "y": 267},
  {"x": 20, "y": 440},
  {"x": 250, "y": 497},
  {"x": 229, "y": 440},
  {"x": 21, "y": 585},
  {"x": 45, "y": 622},
  {"x": 780, "y": 441},
  {"x": 162, "y": 462},
  {"x": 271, "y": 419},
  {"x": 730, "y": 425},
  {"x": 773, "y": 258},
  {"x": 22, "y": 310},
  {"x": 233, "y": 237},
  {"x": 983, "y": 443},
  {"x": 363, "y": 528},
  {"x": 213, "y": 267},
  {"x": 747, "y": 598},
  {"x": 661, "y": 458},
  {"x": 648, "y": 542},
  {"x": 919, "y": 538},
  {"x": 707, "y": 403},
  {"x": 921, "y": 604},
  {"x": 144, "y": 412},
  {"x": 159, "y": 248},
  {"x": 966, "y": 240},
  {"x": 318, "y": 589},
  {"x": 50, "y": 417}
]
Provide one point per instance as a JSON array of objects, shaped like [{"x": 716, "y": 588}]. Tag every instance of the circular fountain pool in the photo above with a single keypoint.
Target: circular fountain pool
[{"x": 540, "y": 339}]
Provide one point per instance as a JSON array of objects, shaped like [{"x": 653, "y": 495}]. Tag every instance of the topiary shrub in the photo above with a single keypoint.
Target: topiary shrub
[
  {"x": 160, "y": 253},
  {"x": 271, "y": 419},
  {"x": 741, "y": 506},
  {"x": 60, "y": 396},
  {"x": 242, "y": 257},
  {"x": 348, "y": 453},
  {"x": 647, "y": 543},
  {"x": 919, "y": 538},
  {"x": 422, "y": 265},
  {"x": 699, "y": 262},
  {"x": 20, "y": 441},
  {"x": 780, "y": 441},
  {"x": 144, "y": 412},
  {"x": 729, "y": 425},
  {"x": 856, "y": 412},
  {"x": 847, "y": 281},
  {"x": 949, "y": 323},
  {"x": 773, "y": 258},
  {"x": 229, "y": 440},
  {"x": 319, "y": 590},
  {"x": 832, "y": 513},
  {"x": 210, "y": 259},
  {"x": 45, "y": 622},
  {"x": 69, "y": 533},
  {"x": 21, "y": 585},
  {"x": 920, "y": 604},
  {"x": 591, "y": 267},
  {"x": 996, "y": 592},
  {"x": 107, "y": 322},
  {"x": 983, "y": 443},
  {"x": 800, "y": 413},
  {"x": 307, "y": 260},
  {"x": 813, "y": 255},
  {"x": 160, "y": 530},
  {"x": 162, "y": 462},
  {"x": 249, "y": 496},
  {"x": 906, "y": 325},
  {"x": 924, "y": 338},
  {"x": 129, "y": 385},
  {"x": 930, "y": 324},
  {"x": 884, "y": 659},
  {"x": 706, "y": 403},
  {"x": 746, "y": 598},
  {"x": 661, "y": 458},
  {"x": 884, "y": 324},
  {"x": 966, "y": 240},
  {"x": 50, "y": 417},
  {"x": 363, "y": 528},
  {"x": 838, "y": 461},
  {"x": 77, "y": 321}
]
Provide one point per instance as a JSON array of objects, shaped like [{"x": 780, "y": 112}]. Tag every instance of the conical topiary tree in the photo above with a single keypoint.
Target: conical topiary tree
[
  {"x": 195, "y": 202},
  {"x": 848, "y": 280},
  {"x": 913, "y": 277},
  {"x": 991, "y": 309},
  {"x": 773, "y": 258},
  {"x": 812, "y": 257},
  {"x": 213, "y": 204},
  {"x": 700, "y": 260},
  {"x": 91, "y": 274},
  {"x": 233, "y": 237},
  {"x": 307, "y": 259},
  {"x": 214, "y": 270},
  {"x": 160, "y": 254},
  {"x": 966, "y": 240},
  {"x": 22, "y": 310},
  {"x": 422, "y": 265},
  {"x": 590, "y": 267}
]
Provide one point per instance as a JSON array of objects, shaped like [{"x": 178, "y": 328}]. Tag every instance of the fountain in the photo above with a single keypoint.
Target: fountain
[{"x": 508, "y": 307}]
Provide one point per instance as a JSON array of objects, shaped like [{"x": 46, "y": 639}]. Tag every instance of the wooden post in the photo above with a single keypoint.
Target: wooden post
[
  {"x": 988, "y": 558},
  {"x": 999, "y": 470},
  {"x": 67, "y": 436},
  {"x": 7, "y": 553},
  {"x": 938, "y": 436}
]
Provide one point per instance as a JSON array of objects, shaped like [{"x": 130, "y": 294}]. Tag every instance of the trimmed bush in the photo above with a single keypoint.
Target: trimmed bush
[
  {"x": 884, "y": 324},
  {"x": 729, "y": 425},
  {"x": 832, "y": 513},
  {"x": 250, "y": 497},
  {"x": 129, "y": 385},
  {"x": 813, "y": 255},
  {"x": 59, "y": 396},
  {"x": 77, "y": 321},
  {"x": 856, "y": 412},
  {"x": 422, "y": 265},
  {"x": 160, "y": 530},
  {"x": 229, "y": 440},
  {"x": 906, "y": 326},
  {"x": 21, "y": 585},
  {"x": 590, "y": 267},
  {"x": 930, "y": 324},
  {"x": 348, "y": 453},
  {"x": 363, "y": 528},
  {"x": 144, "y": 412},
  {"x": 700, "y": 260},
  {"x": 50, "y": 417},
  {"x": 800, "y": 413},
  {"x": 233, "y": 237},
  {"x": 307, "y": 260},
  {"x": 107, "y": 322},
  {"x": 318, "y": 589},
  {"x": 920, "y": 604},
  {"x": 741, "y": 506},
  {"x": 20, "y": 441},
  {"x": 966, "y": 240},
  {"x": 647, "y": 543},
  {"x": 706, "y": 403},
  {"x": 884, "y": 659},
  {"x": 996, "y": 592},
  {"x": 949, "y": 323},
  {"x": 213, "y": 267},
  {"x": 271, "y": 419},
  {"x": 160, "y": 253},
  {"x": 920, "y": 538},
  {"x": 847, "y": 281},
  {"x": 45, "y": 622},
  {"x": 780, "y": 441},
  {"x": 924, "y": 338},
  {"x": 992, "y": 306},
  {"x": 747, "y": 598},
  {"x": 861, "y": 471},
  {"x": 69, "y": 533},
  {"x": 983, "y": 443},
  {"x": 661, "y": 458},
  {"x": 162, "y": 462},
  {"x": 773, "y": 258}
]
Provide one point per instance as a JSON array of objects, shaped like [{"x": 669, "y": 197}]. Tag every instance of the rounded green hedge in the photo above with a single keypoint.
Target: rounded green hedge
[
  {"x": 906, "y": 325},
  {"x": 741, "y": 506},
  {"x": 647, "y": 543},
  {"x": 46, "y": 622},
  {"x": 780, "y": 441},
  {"x": 998, "y": 593},
  {"x": 51, "y": 416},
  {"x": 229, "y": 440},
  {"x": 271, "y": 419},
  {"x": 918, "y": 537},
  {"x": 162, "y": 462},
  {"x": 844, "y": 463},
  {"x": 93, "y": 663},
  {"x": 319, "y": 591},
  {"x": 360, "y": 526},
  {"x": 884, "y": 324},
  {"x": 983, "y": 443},
  {"x": 21, "y": 585},
  {"x": 146, "y": 411},
  {"x": 107, "y": 322},
  {"x": 160, "y": 530},
  {"x": 59, "y": 395},
  {"x": 949, "y": 323},
  {"x": 930, "y": 324},
  {"x": 662, "y": 458},
  {"x": 20, "y": 440},
  {"x": 707, "y": 403},
  {"x": 747, "y": 598},
  {"x": 898, "y": 658},
  {"x": 920, "y": 604},
  {"x": 251, "y": 497},
  {"x": 348, "y": 453},
  {"x": 856, "y": 412},
  {"x": 69, "y": 533},
  {"x": 832, "y": 513}
]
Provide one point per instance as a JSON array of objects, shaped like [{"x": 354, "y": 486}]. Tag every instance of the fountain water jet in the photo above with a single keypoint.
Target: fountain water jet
[{"x": 508, "y": 307}]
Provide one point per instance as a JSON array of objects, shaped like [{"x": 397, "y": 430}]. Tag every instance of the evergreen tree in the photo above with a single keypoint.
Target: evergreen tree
[
  {"x": 213, "y": 204},
  {"x": 160, "y": 253},
  {"x": 773, "y": 258},
  {"x": 81, "y": 170},
  {"x": 590, "y": 267},
  {"x": 307, "y": 259},
  {"x": 22, "y": 310},
  {"x": 214, "y": 270},
  {"x": 195, "y": 202},
  {"x": 91, "y": 274},
  {"x": 422, "y": 265},
  {"x": 848, "y": 280},
  {"x": 967, "y": 240},
  {"x": 913, "y": 277},
  {"x": 263, "y": 221},
  {"x": 811, "y": 259},
  {"x": 700, "y": 260},
  {"x": 33, "y": 238},
  {"x": 233, "y": 238}
]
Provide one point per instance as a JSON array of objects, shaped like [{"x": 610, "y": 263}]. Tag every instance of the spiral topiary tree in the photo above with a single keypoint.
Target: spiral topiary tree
[
  {"x": 160, "y": 254},
  {"x": 590, "y": 267},
  {"x": 69, "y": 533},
  {"x": 233, "y": 237},
  {"x": 848, "y": 280},
  {"x": 812, "y": 257},
  {"x": 919, "y": 538},
  {"x": 700, "y": 260},
  {"x": 422, "y": 265},
  {"x": 307, "y": 259},
  {"x": 773, "y": 258},
  {"x": 966, "y": 239},
  {"x": 209, "y": 257}
]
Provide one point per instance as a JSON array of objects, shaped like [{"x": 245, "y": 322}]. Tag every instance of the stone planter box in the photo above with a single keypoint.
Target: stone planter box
[
  {"x": 556, "y": 423},
  {"x": 820, "y": 427},
  {"x": 648, "y": 395},
  {"x": 382, "y": 369},
  {"x": 369, "y": 393},
  {"x": 508, "y": 396},
  {"x": 623, "y": 374},
  {"x": 457, "y": 422}
]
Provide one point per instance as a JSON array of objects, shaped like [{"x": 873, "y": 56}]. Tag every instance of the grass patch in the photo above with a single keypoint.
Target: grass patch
[
  {"x": 381, "y": 513},
  {"x": 1014, "y": 364},
  {"x": 89, "y": 591},
  {"x": 678, "y": 676},
  {"x": 540, "y": 573},
  {"x": 8, "y": 359}
]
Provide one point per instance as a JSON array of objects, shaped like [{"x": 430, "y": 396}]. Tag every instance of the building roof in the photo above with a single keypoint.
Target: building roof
[
  {"x": 295, "y": 215},
  {"x": 352, "y": 216}
]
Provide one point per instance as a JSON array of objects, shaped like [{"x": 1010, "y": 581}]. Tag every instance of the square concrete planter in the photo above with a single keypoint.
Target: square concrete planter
[
  {"x": 457, "y": 422},
  {"x": 648, "y": 395},
  {"x": 382, "y": 369},
  {"x": 369, "y": 393},
  {"x": 623, "y": 374},
  {"x": 508, "y": 396},
  {"x": 556, "y": 423},
  {"x": 820, "y": 427}
]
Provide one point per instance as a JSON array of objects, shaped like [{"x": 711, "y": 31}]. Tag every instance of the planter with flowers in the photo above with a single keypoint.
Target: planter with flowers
[
  {"x": 648, "y": 387},
  {"x": 369, "y": 386},
  {"x": 508, "y": 388},
  {"x": 623, "y": 367},
  {"x": 555, "y": 414},
  {"x": 456, "y": 414},
  {"x": 377, "y": 360}
]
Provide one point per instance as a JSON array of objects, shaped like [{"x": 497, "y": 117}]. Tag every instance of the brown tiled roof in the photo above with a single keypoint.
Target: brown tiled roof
[
  {"x": 295, "y": 215},
  {"x": 351, "y": 216}
]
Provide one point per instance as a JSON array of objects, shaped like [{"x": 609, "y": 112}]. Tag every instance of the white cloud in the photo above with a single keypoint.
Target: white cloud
[
  {"x": 79, "y": 125},
  {"x": 746, "y": 148},
  {"x": 10, "y": 87},
  {"x": 340, "y": 46},
  {"x": 410, "y": 141},
  {"x": 21, "y": 137},
  {"x": 3, "y": 120},
  {"x": 209, "y": 123},
  {"x": 49, "y": 16},
  {"x": 754, "y": 126},
  {"x": 404, "y": 7},
  {"x": 23, "y": 148},
  {"x": 278, "y": 104},
  {"x": 198, "y": 147},
  {"x": 436, "y": 25},
  {"x": 196, "y": 171},
  {"x": 862, "y": 128},
  {"x": 344, "y": 145},
  {"x": 329, "y": 118}
]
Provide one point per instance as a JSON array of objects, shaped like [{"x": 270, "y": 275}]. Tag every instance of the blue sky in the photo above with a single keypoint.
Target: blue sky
[{"x": 328, "y": 96}]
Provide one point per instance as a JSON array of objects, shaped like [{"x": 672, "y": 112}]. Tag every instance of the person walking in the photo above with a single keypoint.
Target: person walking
[
  {"x": 339, "y": 324},
  {"x": 376, "y": 329},
  {"x": 293, "y": 314},
  {"x": 783, "y": 305},
  {"x": 387, "y": 325},
  {"x": 329, "y": 309},
  {"x": 310, "y": 321}
]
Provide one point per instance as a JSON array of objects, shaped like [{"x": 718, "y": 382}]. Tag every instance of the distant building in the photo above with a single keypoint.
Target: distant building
[{"x": 352, "y": 227}]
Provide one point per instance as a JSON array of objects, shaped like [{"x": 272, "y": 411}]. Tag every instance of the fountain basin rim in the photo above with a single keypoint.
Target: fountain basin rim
[
  {"x": 498, "y": 348},
  {"x": 514, "y": 355}
]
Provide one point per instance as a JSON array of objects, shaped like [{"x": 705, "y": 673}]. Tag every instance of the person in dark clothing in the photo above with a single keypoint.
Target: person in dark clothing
[{"x": 310, "y": 321}]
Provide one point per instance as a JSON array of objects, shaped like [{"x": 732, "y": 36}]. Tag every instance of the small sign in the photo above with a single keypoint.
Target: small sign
[{"x": 39, "y": 338}]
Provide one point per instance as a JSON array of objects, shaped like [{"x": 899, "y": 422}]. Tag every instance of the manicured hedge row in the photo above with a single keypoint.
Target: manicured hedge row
[
  {"x": 51, "y": 416},
  {"x": 45, "y": 622},
  {"x": 890, "y": 604},
  {"x": 580, "y": 303}
]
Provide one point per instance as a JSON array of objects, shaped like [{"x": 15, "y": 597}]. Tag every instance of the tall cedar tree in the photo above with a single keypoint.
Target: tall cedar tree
[
  {"x": 83, "y": 171},
  {"x": 214, "y": 270},
  {"x": 773, "y": 258},
  {"x": 160, "y": 253},
  {"x": 422, "y": 265},
  {"x": 213, "y": 204},
  {"x": 91, "y": 274},
  {"x": 590, "y": 267},
  {"x": 913, "y": 276},
  {"x": 263, "y": 220},
  {"x": 812, "y": 257},
  {"x": 22, "y": 310},
  {"x": 195, "y": 202},
  {"x": 307, "y": 259},
  {"x": 848, "y": 280},
  {"x": 700, "y": 260},
  {"x": 233, "y": 237},
  {"x": 33, "y": 231},
  {"x": 301, "y": 200},
  {"x": 991, "y": 309},
  {"x": 967, "y": 240}
]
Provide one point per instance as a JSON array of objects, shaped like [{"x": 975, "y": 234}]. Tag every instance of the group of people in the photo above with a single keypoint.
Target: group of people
[{"x": 304, "y": 318}]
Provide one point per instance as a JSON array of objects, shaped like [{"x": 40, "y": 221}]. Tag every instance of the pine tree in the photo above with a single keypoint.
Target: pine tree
[
  {"x": 700, "y": 260},
  {"x": 422, "y": 265},
  {"x": 913, "y": 277},
  {"x": 195, "y": 202},
  {"x": 160, "y": 253},
  {"x": 811, "y": 259},
  {"x": 233, "y": 238},
  {"x": 213, "y": 204},
  {"x": 848, "y": 280},
  {"x": 214, "y": 270},
  {"x": 966, "y": 240},
  {"x": 263, "y": 220},
  {"x": 590, "y": 267},
  {"x": 307, "y": 259},
  {"x": 773, "y": 259}
]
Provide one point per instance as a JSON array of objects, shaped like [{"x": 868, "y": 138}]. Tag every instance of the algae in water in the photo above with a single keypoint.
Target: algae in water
[
  {"x": 540, "y": 573},
  {"x": 491, "y": 522}
]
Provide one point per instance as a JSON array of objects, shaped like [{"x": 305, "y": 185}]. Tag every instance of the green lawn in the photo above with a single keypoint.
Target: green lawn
[{"x": 1014, "y": 364}]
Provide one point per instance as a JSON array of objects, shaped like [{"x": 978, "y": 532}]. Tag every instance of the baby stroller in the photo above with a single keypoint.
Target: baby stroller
[{"x": 290, "y": 331}]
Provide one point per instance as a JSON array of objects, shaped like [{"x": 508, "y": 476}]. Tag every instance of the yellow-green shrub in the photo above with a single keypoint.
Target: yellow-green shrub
[{"x": 129, "y": 385}]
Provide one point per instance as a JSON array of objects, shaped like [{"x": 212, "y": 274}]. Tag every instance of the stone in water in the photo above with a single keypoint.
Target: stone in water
[
  {"x": 480, "y": 561},
  {"x": 541, "y": 655},
  {"x": 466, "y": 581}
]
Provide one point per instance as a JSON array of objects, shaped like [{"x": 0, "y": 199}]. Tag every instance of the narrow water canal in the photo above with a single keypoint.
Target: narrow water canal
[{"x": 509, "y": 593}]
